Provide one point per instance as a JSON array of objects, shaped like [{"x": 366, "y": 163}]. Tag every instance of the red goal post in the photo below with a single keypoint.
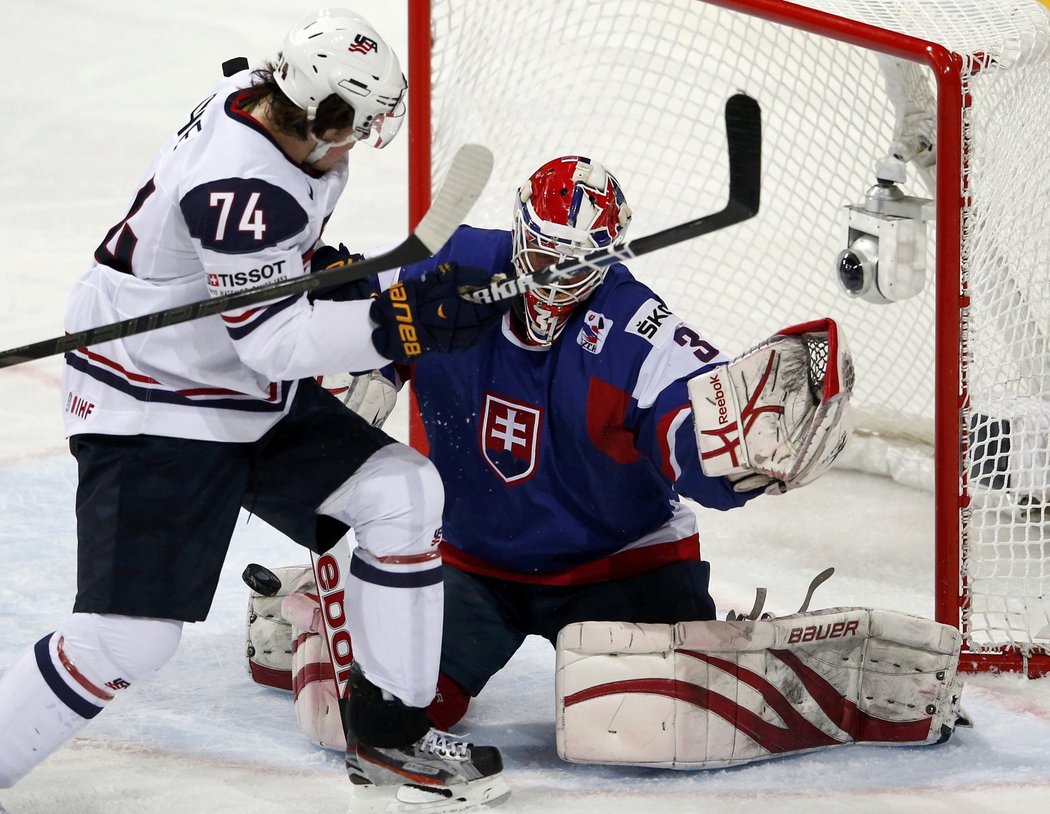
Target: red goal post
[{"x": 953, "y": 391}]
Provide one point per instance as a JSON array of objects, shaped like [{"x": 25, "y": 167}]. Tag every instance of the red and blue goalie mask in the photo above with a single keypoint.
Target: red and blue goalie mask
[{"x": 570, "y": 206}]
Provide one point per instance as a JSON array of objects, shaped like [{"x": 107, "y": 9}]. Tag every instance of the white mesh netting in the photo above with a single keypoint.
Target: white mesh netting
[{"x": 640, "y": 86}]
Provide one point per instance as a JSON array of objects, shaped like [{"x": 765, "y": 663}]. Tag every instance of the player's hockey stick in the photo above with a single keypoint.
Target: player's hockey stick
[
  {"x": 466, "y": 178},
  {"x": 744, "y": 137},
  {"x": 331, "y": 572}
]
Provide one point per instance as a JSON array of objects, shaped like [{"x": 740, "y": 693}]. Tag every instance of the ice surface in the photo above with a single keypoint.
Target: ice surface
[{"x": 90, "y": 91}]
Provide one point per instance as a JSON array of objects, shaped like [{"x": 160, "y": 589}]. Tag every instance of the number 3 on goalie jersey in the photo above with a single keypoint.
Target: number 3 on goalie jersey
[{"x": 702, "y": 349}]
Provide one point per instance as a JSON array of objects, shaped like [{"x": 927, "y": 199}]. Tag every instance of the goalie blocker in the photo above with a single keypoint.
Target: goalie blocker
[
  {"x": 701, "y": 695},
  {"x": 268, "y": 634},
  {"x": 777, "y": 416}
]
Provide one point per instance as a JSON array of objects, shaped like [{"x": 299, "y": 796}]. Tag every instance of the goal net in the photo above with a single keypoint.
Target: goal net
[{"x": 946, "y": 99}]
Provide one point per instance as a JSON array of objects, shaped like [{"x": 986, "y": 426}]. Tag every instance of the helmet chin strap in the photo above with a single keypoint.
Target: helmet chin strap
[{"x": 322, "y": 147}]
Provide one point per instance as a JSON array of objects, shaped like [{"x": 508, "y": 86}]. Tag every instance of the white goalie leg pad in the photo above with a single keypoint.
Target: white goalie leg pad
[
  {"x": 268, "y": 645},
  {"x": 699, "y": 695},
  {"x": 779, "y": 411},
  {"x": 287, "y": 649},
  {"x": 313, "y": 682}
]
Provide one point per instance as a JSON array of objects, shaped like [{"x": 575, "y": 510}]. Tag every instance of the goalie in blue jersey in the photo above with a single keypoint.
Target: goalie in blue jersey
[{"x": 566, "y": 440}]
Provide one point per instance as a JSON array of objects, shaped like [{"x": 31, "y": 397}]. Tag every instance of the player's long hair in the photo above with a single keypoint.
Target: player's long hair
[{"x": 332, "y": 114}]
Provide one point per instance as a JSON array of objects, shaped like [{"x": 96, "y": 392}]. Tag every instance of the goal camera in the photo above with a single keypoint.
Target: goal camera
[{"x": 885, "y": 258}]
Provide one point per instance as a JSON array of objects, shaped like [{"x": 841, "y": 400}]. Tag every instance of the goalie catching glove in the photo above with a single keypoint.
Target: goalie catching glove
[
  {"x": 429, "y": 313},
  {"x": 703, "y": 695},
  {"x": 777, "y": 416}
]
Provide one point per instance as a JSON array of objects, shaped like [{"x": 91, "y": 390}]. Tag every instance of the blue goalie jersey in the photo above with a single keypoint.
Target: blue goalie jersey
[{"x": 564, "y": 465}]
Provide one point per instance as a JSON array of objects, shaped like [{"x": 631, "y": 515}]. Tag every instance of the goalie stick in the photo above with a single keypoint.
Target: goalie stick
[
  {"x": 744, "y": 140},
  {"x": 466, "y": 178}
]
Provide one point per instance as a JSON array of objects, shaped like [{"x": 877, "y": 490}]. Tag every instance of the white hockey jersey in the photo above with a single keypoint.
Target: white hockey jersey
[{"x": 221, "y": 209}]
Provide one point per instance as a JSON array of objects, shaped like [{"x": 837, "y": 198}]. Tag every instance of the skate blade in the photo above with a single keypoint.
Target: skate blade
[{"x": 413, "y": 799}]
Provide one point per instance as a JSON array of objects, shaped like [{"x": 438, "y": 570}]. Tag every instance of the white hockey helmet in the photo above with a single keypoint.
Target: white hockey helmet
[
  {"x": 336, "y": 51},
  {"x": 570, "y": 206}
]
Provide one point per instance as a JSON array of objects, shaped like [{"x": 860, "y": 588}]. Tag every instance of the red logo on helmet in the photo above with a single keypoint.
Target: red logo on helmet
[{"x": 362, "y": 45}]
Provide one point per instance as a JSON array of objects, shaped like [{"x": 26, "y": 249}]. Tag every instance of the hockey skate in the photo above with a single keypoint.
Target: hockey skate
[{"x": 438, "y": 773}]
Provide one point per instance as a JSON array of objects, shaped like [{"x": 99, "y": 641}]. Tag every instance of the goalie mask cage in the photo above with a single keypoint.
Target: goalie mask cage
[{"x": 953, "y": 384}]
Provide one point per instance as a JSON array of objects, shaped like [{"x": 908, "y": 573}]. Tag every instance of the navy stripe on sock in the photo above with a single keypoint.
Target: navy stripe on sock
[
  {"x": 85, "y": 709},
  {"x": 394, "y": 579}
]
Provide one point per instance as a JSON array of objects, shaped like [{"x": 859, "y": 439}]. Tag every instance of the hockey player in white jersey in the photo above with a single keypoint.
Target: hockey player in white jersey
[{"x": 176, "y": 430}]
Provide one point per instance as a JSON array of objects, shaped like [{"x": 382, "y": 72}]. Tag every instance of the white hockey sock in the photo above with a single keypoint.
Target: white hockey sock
[
  {"x": 63, "y": 681},
  {"x": 398, "y": 647},
  {"x": 39, "y": 709},
  {"x": 394, "y": 592}
]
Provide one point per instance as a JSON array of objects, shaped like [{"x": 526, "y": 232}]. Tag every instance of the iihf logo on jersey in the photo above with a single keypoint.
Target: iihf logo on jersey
[
  {"x": 78, "y": 406},
  {"x": 595, "y": 328},
  {"x": 510, "y": 434},
  {"x": 362, "y": 45}
]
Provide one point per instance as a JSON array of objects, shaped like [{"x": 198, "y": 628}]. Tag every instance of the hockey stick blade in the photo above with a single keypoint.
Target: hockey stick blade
[
  {"x": 467, "y": 176},
  {"x": 744, "y": 139}
]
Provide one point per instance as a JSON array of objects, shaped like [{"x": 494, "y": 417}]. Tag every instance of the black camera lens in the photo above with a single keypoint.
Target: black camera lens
[{"x": 851, "y": 272}]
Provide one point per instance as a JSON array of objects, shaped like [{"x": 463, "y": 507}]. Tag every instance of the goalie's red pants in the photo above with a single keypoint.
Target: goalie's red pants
[{"x": 449, "y": 704}]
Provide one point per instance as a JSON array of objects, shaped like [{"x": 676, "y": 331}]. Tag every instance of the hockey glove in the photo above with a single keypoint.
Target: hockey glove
[
  {"x": 269, "y": 633},
  {"x": 328, "y": 257},
  {"x": 428, "y": 314},
  {"x": 371, "y": 395},
  {"x": 778, "y": 416}
]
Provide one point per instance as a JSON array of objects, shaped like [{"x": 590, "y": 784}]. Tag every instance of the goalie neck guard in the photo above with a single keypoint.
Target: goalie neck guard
[{"x": 568, "y": 207}]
